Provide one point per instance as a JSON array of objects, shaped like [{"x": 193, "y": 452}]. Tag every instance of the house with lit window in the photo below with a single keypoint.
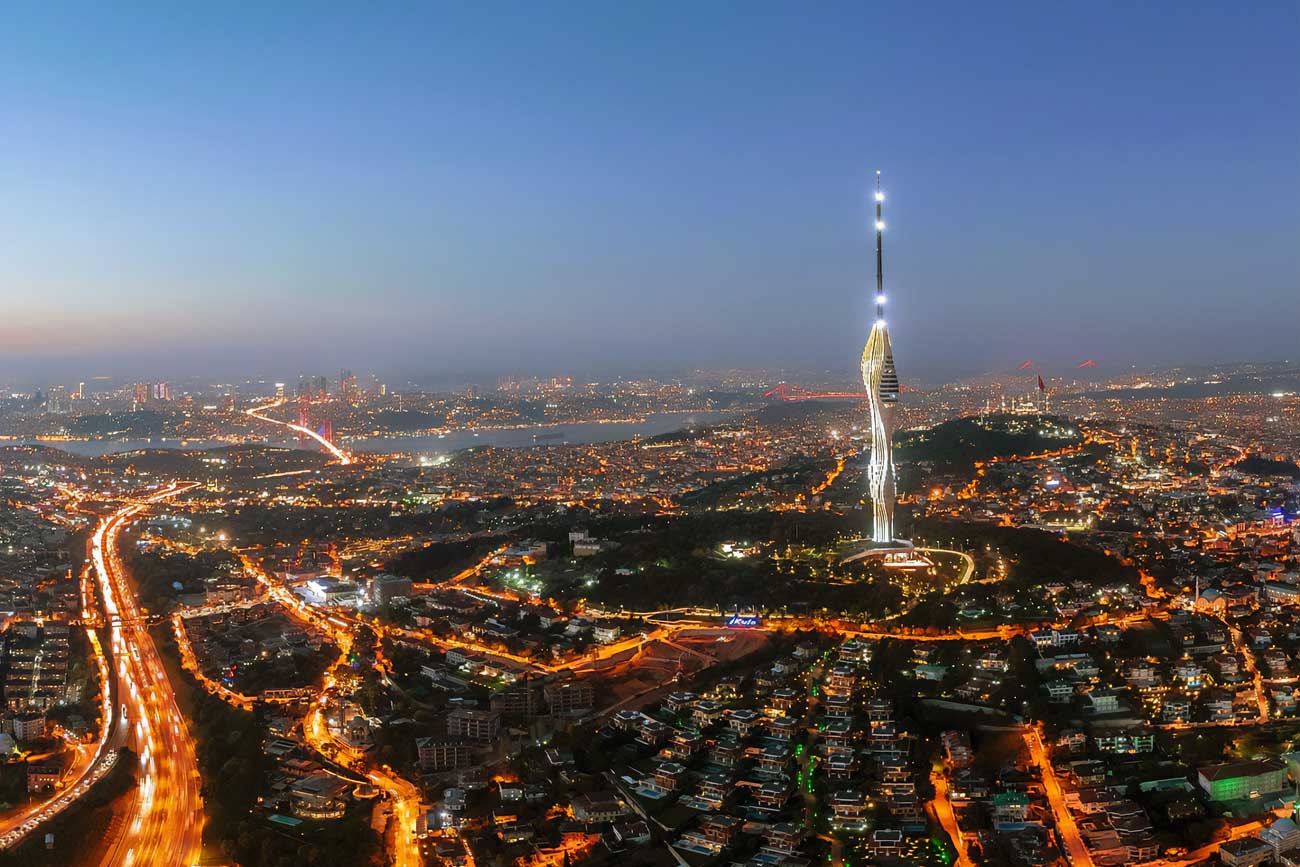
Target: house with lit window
[{"x": 1235, "y": 780}]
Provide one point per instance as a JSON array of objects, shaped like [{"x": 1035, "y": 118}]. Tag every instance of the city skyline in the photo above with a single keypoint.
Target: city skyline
[
  {"x": 541, "y": 192},
  {"x": 430, "y": 435}
]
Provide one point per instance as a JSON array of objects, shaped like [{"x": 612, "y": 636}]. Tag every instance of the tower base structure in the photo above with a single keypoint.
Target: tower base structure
[{"x": 896, "y": 553}]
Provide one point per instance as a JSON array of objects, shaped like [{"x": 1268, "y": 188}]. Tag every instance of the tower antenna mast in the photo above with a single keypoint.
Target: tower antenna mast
[{"x": 880, "y": 260}]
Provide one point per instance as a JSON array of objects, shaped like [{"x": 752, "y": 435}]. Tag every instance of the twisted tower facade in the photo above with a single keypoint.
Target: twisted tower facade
[{"x": 881, "y": 381}]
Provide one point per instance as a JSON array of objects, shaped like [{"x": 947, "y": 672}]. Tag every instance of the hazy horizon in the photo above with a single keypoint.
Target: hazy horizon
[{"x": 455, "y": 380}]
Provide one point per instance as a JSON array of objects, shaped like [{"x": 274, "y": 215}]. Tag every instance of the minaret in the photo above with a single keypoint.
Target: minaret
[{"x": 881, "y": 381}]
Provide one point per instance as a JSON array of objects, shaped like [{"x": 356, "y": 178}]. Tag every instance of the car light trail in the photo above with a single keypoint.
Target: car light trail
[
  {"x": 150, "y": 718},
  {"x": 126, "y": 639},
  {"x": 256, "y": 412}
]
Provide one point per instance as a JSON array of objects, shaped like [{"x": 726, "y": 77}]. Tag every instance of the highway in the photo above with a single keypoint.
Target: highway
[
  {"x": 164, "y": 825},
  {"x": 257, "y": 413},
  {"x": 87, "y": 768}
]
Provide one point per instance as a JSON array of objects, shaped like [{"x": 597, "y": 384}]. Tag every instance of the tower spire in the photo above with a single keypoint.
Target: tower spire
[{"x": 880, "y": 267}]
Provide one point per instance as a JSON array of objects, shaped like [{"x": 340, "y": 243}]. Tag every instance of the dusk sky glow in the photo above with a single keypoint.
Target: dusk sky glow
[{"x": 601, "y": 188}]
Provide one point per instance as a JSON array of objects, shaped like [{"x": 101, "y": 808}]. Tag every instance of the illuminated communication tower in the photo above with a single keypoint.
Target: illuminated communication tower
[{"x": 881, "y": 381}]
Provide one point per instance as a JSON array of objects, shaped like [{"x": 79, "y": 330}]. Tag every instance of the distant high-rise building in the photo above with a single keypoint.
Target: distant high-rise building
[
  {"x": 347, "y": 384},
  {"x": 81, "y": 391},
  {"x": 322, "y": 387},
  {"x": 162, "y": 391},
  {"x": 56, "y": 400},
  {"x": 279, "y": 391},
  {"x": 141, "y": 394},
  {"x": 881, "y": 381}
]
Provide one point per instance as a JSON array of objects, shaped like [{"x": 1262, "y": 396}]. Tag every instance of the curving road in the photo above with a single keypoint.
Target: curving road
[
  {"x": 405, "y": 796},
  {"x": 164, "y": 825}
]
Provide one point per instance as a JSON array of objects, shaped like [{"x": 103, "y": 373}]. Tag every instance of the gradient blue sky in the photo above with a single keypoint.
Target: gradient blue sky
[{"x": 602, "y": 187}]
